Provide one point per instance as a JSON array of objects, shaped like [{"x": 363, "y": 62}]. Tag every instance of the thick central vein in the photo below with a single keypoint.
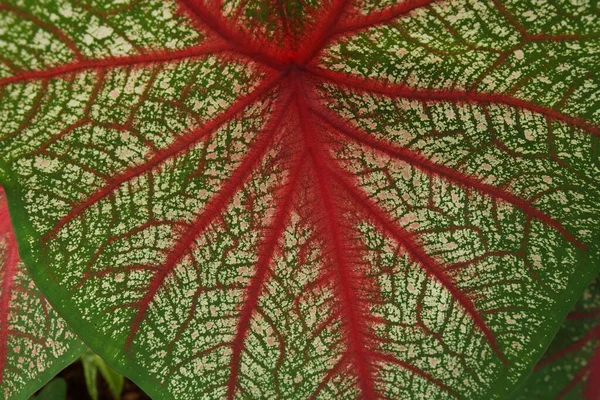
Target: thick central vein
[{"x": 353, "y": 322}]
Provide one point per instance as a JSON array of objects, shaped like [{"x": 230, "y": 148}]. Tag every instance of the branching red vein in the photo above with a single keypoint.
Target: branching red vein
[
  {"x": 67, "y": 41},
  {"x": 323, "y": 33},
  {"x": 584, "y": 314},
  {"x": 416, "y": 252},
  {"x": 330, "y": 374},
  {"x": 393, "y": 360},
  {"x": 592, "y": 389},
  {"x": 451, "y": 95},
  {"x": 349, "y": 302},
  {"x": 211, "y": 211},
  {"x": 181, "y": 144},
  {"x": 419, "y": 161},
  {"x": 350, "y": 299},
  {"x": 237, "y": 41},
  {"x": 383, "y": 16},
  {"x": 255, "y": 285},
  {"x": 115, "y": 62}
]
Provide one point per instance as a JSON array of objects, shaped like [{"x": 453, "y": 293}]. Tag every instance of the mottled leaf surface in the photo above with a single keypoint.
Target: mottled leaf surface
[
  {"x": 570, "y": 368},
  {"x": 306, "y": 199},
  {"x": 35, "y": 342}
]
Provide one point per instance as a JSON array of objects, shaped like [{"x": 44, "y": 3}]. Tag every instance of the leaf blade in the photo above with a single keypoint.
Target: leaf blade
[{"x": 201, "y": 255}]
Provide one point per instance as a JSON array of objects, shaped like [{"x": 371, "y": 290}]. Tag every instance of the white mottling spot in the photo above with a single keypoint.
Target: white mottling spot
[
  {"x": 411, "y": 289},
  {"x": 102, "y": 32},
  {"x": 519, "y": 54},
  {"x": 46, "y": 165},
  {"x": 529, "y": 135}
]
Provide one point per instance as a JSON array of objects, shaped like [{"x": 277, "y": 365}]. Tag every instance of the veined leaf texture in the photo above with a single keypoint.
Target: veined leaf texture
[{"x": 306, "y": 199}]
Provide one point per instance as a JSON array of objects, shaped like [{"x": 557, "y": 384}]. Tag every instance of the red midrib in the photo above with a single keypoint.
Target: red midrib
[
  {"x": 351, "y": 312},
  {"x": 350, "y": 303}
]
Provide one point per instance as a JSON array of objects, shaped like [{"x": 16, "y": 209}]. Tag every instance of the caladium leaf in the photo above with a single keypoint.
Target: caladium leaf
[
  {"x": 306, "y": 199},
  {"x": 570, "y": 368},
  {"x": 35, "y": 342}
]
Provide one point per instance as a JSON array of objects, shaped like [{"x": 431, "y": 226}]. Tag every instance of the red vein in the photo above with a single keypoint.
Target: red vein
[
  {"x": 255, "y": 285},
  {"x": 354, "y": 321},
  {"x": 384, "y": 16},
  {"x": 125, "y": 61},
  {"x": 393, "y": 360},
  {"x": 181, "y": 144},
  {"x": 416, "y": 251},
  {"x": 419, "y": 161},
  {"x": 514, "y": 21},
  {"x": 323, "y": 33},
  {"x": 532, "y": 37},
  {"x": 240, "y": 43},
  {"x": 591, "y": 390},
  {"x": 329, "y": 376},
  {"x": 67, "y": 41},
  {"x": 349, "y": 301},
  {"x": 451, "y": 95},
  {"x": 209, "y": 213},
  {"x": 573, "y": 382}
]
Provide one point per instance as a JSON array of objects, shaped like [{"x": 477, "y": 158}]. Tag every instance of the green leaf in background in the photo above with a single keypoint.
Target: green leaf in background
[
  {"x": 331, "y": 199},
  {"x": 570, "y": 368},
  {"x": 35, "y": 342},
  {"x": 92, "y": 364},
  {"x": 56, "y": 389}
]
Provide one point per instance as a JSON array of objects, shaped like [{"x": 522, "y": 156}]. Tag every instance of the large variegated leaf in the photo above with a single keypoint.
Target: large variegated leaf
[
  {"x": 570, "y": 368},
  {"x": 306, "y": 199},
  {"x": 35, "y": 342}
]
